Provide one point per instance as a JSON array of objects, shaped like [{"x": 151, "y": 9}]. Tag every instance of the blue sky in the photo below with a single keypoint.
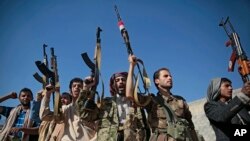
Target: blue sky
[{"x": 182, "y": 35}]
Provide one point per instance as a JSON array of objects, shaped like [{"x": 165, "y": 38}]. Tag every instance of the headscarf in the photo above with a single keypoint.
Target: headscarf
[
  {"x": 112, "y": 86},
  {"x": 213, "y": 90}
]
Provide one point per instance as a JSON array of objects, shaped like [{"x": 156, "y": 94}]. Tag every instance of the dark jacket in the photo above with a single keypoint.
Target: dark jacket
[{"x": 223, "y": 115}]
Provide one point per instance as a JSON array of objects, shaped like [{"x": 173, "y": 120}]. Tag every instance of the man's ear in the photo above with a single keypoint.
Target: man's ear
[{"x": 156, "y": 81}]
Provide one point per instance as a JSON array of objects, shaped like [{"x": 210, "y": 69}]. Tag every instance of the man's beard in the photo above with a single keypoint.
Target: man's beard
[
  {"x": 121, "y": 92},
  {"x": 25, "y": 103}
]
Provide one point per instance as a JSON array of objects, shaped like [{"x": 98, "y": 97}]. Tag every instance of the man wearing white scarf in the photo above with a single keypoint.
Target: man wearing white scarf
[{"x": 18, "y": 124}]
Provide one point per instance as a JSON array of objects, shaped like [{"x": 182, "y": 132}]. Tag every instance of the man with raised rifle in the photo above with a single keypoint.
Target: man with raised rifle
[
  {"x": 78, "y": 121},
  {"x": 168, "y": 115},
  {"x": 119, "y": 118},
  {"x": 50, "y": 129},
  {"x": 223, "y": 110}
]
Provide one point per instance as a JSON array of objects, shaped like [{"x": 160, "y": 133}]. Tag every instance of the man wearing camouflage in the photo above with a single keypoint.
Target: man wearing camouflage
[
  {"x": 165, "y": 109},
  {"x": 119, "y": 118}
]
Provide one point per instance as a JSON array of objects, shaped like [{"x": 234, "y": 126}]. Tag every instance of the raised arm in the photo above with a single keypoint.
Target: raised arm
[
  {"x": 130, "y": 82},
  {"x": 12, "y": 95},
  {"x": 6, "y": 110},
  {"x": 45, "y": 112}
]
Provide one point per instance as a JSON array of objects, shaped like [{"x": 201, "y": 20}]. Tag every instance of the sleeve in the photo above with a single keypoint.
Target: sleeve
[
  {"x": 6, "y": 111},
  {"x": 245, "y": 99},
  {"x": 45, "y": 113},
  {"x": 220, "y": 112},
  {"x": 86, "y": 108}
]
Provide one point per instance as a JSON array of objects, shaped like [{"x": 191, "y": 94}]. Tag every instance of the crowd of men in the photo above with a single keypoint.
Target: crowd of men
[{"x": 118, "y": 117}]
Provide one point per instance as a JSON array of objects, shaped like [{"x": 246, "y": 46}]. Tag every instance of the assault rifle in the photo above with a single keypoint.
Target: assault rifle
[
  {"x": 95, "y": 68},
  {"x": 53, "y": 76},
  {"x": 42, "y": 79},
  {"x": 238, "y": 52},
  {"x": 143, "y": 75},
  {"x": 55, "y": 83}
]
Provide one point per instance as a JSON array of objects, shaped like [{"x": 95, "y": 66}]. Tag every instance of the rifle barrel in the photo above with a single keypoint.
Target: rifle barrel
[{"x": 125, "y": 36}]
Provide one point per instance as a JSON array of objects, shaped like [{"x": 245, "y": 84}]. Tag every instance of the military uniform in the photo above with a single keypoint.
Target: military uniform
[
  {"x": 111, "y": 129},
  {"x": 159, "y": 122}
]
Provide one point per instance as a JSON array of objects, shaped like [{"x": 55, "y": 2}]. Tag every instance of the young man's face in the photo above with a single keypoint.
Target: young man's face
[
  {"x": 120, "y": 83},
  {"x": 165, "y": 80},
  {"x": 65, "y": 99},
  {"x": 76, "y": 88},
  {"x": 226, "y": 90},
  {"x": 25, "y": 98}
]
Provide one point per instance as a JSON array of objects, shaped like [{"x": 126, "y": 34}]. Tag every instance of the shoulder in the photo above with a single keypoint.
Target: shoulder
[
  {"x": 211, "y": 105},
  {"x": 178, "y": 97}
]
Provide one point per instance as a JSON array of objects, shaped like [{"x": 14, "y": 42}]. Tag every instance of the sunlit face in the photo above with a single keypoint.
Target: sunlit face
[
  {"x": 25, "y": 98},
  {"x": 76, "y": 88},
  {"x": 165, "y": 80},
  {"x": 65, "y": 99},
  {"x": 226, "y": 91},
  {"x": 120, "y": 83}
]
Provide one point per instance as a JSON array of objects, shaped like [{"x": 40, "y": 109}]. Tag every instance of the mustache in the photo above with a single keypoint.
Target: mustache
[{"x": 25, "y": 103}]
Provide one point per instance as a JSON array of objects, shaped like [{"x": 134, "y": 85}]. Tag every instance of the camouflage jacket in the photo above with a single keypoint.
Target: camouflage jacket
[
  {"x": 170, "y": 119},
  {"x": 109, "y": 126}
]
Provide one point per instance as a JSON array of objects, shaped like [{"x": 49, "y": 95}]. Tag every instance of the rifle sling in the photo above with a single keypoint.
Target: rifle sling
[
  {"x": 171, "y": 117},
  {"x": 136, "y": 99},
  {"x": 146, "y": 85}
]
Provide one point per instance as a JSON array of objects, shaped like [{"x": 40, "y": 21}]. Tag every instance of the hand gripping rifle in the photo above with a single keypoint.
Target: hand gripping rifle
[
  {"x": 143, "y": 75},
  {"x": 55, "y": 83},
  {"x": 42, "y": 79},
  {"x": 95, "y": 69},
  {"x": 238, "y": 52},
  {"x": 54, "y": 80}
]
